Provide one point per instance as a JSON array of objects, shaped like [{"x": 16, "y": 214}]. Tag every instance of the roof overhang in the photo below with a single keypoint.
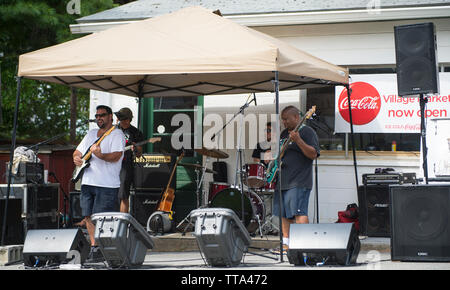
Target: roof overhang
[{"x": 304, "y": 18}]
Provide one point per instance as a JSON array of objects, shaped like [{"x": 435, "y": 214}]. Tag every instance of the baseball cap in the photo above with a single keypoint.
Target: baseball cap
[{"x": 124, "y": 113}]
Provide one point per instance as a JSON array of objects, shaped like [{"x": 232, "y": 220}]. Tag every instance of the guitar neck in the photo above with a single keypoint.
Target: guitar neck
[{"x": 99, "y": 140}]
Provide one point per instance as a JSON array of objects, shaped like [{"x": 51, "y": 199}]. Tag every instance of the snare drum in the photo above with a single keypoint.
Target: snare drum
[
  {"x": 255, "y": 175},
  {"x": 254, "y": 208},
  {"x": 215, "y": 187}
]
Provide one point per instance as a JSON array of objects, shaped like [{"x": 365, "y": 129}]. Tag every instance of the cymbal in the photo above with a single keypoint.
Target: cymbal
[
  {"x": 215, "y": 153},
  {"x": 198, "y": 166}
]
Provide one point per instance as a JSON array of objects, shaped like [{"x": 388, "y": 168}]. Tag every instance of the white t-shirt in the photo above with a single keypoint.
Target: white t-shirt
[{"x": 102, "y": 173}]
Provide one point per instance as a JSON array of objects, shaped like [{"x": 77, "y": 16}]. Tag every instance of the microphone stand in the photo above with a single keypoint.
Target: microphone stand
[{"x": 239, "y": 152}]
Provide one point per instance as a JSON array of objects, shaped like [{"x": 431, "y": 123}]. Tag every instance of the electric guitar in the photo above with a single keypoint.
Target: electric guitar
[
  {"x": 151, "y": 140},
  {"x": 272, "y": 168},
  {"x": 78, "y": 172}
]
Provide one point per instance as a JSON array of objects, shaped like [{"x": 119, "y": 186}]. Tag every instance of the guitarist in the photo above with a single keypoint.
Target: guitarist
[
  {"x": 100, "y": 182},
  {"x": 296, "y": 171},
  {"x": 132, "y": 136}
]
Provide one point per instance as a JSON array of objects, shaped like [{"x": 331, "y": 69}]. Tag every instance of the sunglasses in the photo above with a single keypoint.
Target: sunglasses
[{"x": 101, "y": 115}]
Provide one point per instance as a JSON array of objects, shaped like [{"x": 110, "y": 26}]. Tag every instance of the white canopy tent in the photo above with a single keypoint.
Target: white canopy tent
[{"x": 190, "y": 52}]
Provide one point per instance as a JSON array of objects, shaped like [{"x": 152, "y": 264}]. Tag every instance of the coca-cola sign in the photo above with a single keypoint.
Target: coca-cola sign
[{"x": 365, "y": 103}]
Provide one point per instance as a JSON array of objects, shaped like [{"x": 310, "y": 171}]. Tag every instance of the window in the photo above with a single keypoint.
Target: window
[{"x": 323, "y": 124}]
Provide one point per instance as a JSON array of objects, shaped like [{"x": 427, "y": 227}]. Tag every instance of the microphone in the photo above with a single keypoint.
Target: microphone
[{"x": 91, "y": 121}]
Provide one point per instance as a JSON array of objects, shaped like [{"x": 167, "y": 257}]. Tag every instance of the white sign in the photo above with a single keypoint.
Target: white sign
[{"x": 376, "y": 108}]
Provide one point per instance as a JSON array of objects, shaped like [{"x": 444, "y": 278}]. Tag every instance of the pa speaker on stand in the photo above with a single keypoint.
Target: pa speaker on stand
[{"x": 416, "y": 59}]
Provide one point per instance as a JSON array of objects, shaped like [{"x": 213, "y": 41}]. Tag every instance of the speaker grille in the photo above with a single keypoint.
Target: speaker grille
[
  {"x": 374, "y": 205},
  {"x": 415, "y": 49},
  {"x": 420, "y": 222}
]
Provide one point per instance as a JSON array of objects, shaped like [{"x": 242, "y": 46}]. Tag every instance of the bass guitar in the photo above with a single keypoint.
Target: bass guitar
[
  {"x": 272, "y": 168},
  {"x": 78, "y": 172}
]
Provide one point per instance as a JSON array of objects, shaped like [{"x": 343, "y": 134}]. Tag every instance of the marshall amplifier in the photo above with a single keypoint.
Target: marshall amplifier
[
  {"x": 143, "y": 204},
  {"x": 152, "y": 171}
]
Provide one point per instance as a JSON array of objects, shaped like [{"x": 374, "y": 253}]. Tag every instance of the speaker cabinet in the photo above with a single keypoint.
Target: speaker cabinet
[
  {"x": 143, "y": 204},
  {"x": 220, "y": 235},
  {"x": 75, "y": 207},
  {"x": 374, "y": 206},
  {"x": 40, "y": 204},
  {"x": 14, "y": 226},
  {"x": 48, "y": 247},
  {"x": 415, "y": 50},
  {"x": 336, "y": 243},
  {"x": 420, "y": 222}
]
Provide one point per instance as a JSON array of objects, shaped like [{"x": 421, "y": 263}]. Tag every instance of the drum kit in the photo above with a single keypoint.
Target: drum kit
[
  {"x": 257, "y": 196},
  {"x": 247, "y": 196}
]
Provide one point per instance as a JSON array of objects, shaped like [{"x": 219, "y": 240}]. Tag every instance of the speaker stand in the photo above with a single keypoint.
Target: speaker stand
[{"x": 423, "y": 101}]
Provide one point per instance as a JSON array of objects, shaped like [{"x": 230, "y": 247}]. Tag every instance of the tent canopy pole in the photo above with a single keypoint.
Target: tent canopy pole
[{"x": 11, "y": 157}]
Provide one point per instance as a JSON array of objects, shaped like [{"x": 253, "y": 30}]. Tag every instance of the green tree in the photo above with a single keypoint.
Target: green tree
[{"x": 28, "y": 25}]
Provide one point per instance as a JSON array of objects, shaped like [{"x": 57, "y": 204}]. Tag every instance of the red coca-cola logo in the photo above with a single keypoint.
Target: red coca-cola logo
[{"x": 365, "y": 101}]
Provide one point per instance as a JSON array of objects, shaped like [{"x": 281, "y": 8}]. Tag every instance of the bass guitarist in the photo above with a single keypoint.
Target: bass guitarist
[
  {"x": 296, "y": 171},
  {"x": 100, "y": 181}
]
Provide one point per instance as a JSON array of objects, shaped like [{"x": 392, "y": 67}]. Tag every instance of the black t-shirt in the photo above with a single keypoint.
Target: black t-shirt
[
  {"x": 260, "y": 149},
  {"x": 296, "y": 168},
  {"x": 132, "y": 135}
]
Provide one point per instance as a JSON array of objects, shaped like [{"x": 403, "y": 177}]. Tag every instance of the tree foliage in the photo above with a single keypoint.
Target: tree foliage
[{"x": 28, "y": 25}]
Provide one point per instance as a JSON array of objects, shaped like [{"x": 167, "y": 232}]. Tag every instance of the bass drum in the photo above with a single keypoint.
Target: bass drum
[{"x": 254, "y": 209}]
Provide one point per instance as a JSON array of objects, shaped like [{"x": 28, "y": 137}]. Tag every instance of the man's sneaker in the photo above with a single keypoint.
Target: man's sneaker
[{"x": 95, "y": 255}]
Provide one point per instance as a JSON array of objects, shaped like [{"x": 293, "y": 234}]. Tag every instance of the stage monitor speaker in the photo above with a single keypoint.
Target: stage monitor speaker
[
  {"x": 152, "y": 171},
  {"x": 417, "y": 67},
  {"x": 221, "y": 236},
  {"x": 336, "y": 243},
  {"x": 14, "y": 226},
  {"x": 373, "y": 201},
  {"x": 420, "y": 219},
  {"x": 122, "y": 240},
  {"x": 50, "y": 247}
]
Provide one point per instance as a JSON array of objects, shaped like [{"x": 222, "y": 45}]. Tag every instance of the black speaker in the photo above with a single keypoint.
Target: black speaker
[
  {"x": 420, "y": 221},
  {"x": 27, "y": 172},
  {"x": 49, "y": 247},
  {"x": 143, "y": 204},
  {"x": 373, "y": 201},
  {"x": 14, "y": 234},
  {"x": 417, "y": 68},
  {"x": 42, "y": 206},
  {"x": 222, "y": 173},
  {"x": 152, "y": 171},
  {"x": 334, "y": 244},
  {"x": 75, "y": 212}
]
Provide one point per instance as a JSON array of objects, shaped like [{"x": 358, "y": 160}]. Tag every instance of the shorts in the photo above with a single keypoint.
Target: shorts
[
  {"x": 126, "y": 178},
  {"x": 95, "y": 199},
  {"x": 295, "y": 202}
]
